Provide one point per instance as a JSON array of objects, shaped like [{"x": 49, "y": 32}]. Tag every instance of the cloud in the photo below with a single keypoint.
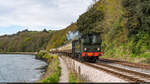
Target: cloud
[{"x": 36, "y": 14}]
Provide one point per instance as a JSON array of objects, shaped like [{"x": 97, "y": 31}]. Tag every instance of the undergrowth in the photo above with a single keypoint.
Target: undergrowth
[
  {"x": 73, "y": 78},
  {"x": 53, "y": 69}
]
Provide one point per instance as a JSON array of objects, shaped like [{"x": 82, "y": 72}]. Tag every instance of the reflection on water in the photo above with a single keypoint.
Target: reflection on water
[{"x": 19, "y": 68}]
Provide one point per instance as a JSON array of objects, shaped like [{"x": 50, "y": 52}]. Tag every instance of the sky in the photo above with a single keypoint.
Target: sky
[{"x": 18, "y": 15}]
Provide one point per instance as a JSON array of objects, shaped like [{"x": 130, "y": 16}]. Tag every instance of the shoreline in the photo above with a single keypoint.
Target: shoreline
[
  {"x": 43, "y": 68},
  {"x": 52, "y": 71},
  {"x": 24, "y": 53}
]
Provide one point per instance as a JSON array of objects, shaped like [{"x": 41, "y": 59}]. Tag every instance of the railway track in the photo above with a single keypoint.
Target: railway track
[
  {"x": 125, "y": 74},
  {"x": 114, "y": 73},
  {"x": 137, "y": 76},
  {"x": 126, "y": 63}
]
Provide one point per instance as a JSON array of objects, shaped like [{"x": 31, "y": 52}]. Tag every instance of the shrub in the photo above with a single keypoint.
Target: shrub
[{"x": 55, "y": 73}]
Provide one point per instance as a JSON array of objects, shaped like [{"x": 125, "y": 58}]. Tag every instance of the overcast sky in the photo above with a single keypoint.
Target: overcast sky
[{"x": 17, "y": 15}]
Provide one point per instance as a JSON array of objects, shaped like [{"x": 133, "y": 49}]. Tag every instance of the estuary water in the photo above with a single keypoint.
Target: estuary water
[{"x": 20, "y": 68}]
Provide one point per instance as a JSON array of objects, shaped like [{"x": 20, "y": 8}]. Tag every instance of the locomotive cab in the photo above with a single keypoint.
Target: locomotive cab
[{"x": 88, "y": 47}]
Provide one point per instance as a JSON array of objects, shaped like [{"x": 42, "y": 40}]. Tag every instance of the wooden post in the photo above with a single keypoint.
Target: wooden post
[
  {"x": 73, "y": 66},
  {"x": 79, "y": 72}
]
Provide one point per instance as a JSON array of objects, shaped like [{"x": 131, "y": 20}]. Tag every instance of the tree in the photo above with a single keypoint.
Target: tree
[
  {"x": 45, "y": 31},
  {"x": 87, "y": 22}
]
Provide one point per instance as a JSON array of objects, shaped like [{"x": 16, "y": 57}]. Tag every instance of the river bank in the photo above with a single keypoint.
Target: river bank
[
  {"x": 23, "y": 53},
  {"x": 20, "y": 68},
  {"x": 53, "y": 70},
  {"x": 50, "y": 72}
]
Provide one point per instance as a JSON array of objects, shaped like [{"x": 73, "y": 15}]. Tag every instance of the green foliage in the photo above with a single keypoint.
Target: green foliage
[
  {"x": 138, "y": 24},
  {"x": 144, "y": 55},
  {"x": 53, "y": 68},
  {"x": 44, "y": 55},
  {"x": 87, "y": 22},
  {"x": 59, "y": 37},
  {"x": 135, "y": 14},
  {"x": 117, "y": 28},
  {"x": 25, "y": 41},
  {"x": 54, "y": 77},
  {"x": 73, "y": 78}
]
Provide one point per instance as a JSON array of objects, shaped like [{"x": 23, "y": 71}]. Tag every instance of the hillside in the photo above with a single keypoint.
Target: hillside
[
  {"x": 33, "y": 41},
  {"x": 25, "y": 41},
  {"x": 60, "y": 37},
  {"x": 124, "y": 26}
]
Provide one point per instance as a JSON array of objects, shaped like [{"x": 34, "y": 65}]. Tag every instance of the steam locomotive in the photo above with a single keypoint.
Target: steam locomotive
[{"x": 87, "y": 47}]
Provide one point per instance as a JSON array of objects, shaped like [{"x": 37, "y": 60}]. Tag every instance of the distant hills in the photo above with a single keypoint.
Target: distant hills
[
  {"x": 25, "y": 41},
  {"x": 34, "y": 41}
]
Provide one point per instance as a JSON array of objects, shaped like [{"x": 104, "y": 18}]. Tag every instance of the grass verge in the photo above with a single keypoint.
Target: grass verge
[
  {"x": 53, "y": 71},
  {"x": 73, "y": 78}
]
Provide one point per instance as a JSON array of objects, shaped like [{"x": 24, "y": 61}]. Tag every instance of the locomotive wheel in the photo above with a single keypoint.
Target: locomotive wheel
[
  {"x": 81, "y": 59},
  {"x": 93, "y": 60},
  {"x": 76, "y": 56}
]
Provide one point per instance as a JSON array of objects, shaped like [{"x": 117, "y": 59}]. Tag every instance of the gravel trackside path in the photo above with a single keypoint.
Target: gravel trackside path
[
  {"x": 92, "y": 74},
  {"x": 64, "y": 78}
]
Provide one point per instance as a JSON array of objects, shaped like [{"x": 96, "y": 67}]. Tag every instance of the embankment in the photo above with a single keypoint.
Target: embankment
[
  {"x": 87, "y": 73},
  {"x": 24, "y": 53},
  {"x": 53, "y": 70}
]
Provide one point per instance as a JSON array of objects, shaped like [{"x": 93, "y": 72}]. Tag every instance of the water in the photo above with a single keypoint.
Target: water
[{"x": 19, "y": 68}]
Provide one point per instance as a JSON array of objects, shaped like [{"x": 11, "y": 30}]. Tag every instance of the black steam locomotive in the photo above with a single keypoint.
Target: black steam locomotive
[{"x": 87, "y": 47}]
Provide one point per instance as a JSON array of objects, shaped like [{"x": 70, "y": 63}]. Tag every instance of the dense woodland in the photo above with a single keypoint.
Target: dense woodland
[
  {"x": 124, "y": 26},
  {"x": 25, "y": 41}
]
